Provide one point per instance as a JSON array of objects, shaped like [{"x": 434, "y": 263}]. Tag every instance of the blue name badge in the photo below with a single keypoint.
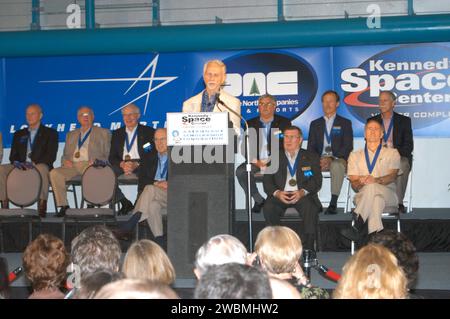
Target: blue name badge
[
  {"x": 336, "y": 130},
  {"x": 147, "y": 147},
  {"x": 307, "y": 172}
]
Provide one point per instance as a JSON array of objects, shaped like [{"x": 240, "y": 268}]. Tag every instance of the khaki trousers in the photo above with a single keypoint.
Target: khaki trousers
[
  {"x": 152, "y": 203},
  {"x": 60, "y": 175}
]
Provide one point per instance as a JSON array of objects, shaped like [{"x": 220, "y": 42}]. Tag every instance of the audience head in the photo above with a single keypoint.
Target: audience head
[
  {"x": 136, "y": 289},
  {"x": 282, "y": 289},
  {"x": 92, "y": 283},
  {"x": 147, "y": 260},
  {"x": 219, "y": 250},
  {"x": 45, "y": 261},
  {"x": 372, "y": 273},
  {"x": 96, "y": 248},
  {"x": 233, "y": 281},
  {"x": 403, "y": 249},
  {"x": 279, "y": 249}
]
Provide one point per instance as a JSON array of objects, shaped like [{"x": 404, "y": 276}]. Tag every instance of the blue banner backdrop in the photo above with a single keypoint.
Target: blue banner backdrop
[{"x": 158, "y": 83}]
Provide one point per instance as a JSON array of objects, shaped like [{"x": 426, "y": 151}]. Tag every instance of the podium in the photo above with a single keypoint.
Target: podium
[{"x": 200, "y": 194}]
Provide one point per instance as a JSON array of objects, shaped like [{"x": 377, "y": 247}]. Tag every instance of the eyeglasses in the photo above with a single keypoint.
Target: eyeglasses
[
  {"x": 129, "y": 114},
  {"x": 291, "y": 137},
  {"x": 266, "y": 104},
  {"x": 159, "y": 139}
]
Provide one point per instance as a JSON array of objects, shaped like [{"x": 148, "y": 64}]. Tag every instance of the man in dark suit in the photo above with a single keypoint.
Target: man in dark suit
[
  {"x": 331, "y": 138},
  {"x": 37, "y": 144},
  {"x": 128, "y": 146},
  {"x": 295, "y": 184},
  {"x": 397, "y": 134},
  {"x": 267, "y": 127},
  {"x": 153, "y": 199}
]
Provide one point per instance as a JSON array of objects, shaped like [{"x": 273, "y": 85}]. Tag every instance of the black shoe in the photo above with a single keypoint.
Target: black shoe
[
  {"x": 331, "y": 210},
  {"x": 401, "y": 209},
  {"x": 257, "y": 207},
  {"x": 126, "y": 207},
  {"x": 62, "y": 211},
  {"x": 355, "y": 232},
  {"x": 121, "y": 234}
]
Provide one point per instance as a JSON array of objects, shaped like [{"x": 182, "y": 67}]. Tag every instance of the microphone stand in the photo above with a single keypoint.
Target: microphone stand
[{"x": 248, "y": 169}]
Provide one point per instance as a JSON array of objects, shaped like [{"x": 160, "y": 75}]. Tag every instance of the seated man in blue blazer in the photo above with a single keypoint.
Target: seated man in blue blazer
[
  {"x": 295, "y": 184},
  {"x": 331, "y": 137}
]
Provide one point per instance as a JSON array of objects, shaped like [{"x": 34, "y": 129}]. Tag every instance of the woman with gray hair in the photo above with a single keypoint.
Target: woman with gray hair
[{"x": 219, "y": 250}]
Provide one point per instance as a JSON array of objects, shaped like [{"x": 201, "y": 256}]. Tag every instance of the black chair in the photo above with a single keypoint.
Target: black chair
[
  {"x": 23, "y": 188},
  {"x": 98, "y": 185}
]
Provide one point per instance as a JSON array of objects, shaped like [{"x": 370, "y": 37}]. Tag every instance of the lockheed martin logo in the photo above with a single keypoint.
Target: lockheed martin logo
[{"x": 154, "y": 83}]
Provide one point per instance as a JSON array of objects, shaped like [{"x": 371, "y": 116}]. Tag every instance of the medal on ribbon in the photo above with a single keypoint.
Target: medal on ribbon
[
  {"x": 371, "y": 165},
  {"x": 129, "y": 144}
]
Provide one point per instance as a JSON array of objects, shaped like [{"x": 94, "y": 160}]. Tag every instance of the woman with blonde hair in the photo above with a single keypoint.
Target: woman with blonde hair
[
  {"x": 372, "y": 273},
  {"x": 146, "y": 260},
  {"x": 278, "y": 250}
]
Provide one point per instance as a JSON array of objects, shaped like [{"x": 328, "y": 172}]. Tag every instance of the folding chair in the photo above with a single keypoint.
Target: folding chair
[
  {"x": 98, "y": 185},
  {"x": 23, "y": 188}
]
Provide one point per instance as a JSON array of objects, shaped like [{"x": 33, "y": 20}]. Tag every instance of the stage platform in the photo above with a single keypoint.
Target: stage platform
[{"x": 428, "y": 228}]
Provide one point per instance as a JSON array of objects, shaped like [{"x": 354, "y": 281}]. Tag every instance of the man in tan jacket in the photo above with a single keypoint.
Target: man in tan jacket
[{"x": 83, "y": 146}]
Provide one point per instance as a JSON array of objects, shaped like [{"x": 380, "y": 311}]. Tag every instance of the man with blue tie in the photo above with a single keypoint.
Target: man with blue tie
[
  {"x": 331, "y": 137},
  {"x": 152, "y": 201}
]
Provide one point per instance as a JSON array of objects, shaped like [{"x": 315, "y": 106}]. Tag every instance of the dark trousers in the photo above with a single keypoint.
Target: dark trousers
[
  {"x": 118, "y": 171},
  {"x": 241, "y": 175},
  {"x": 274, "y": 209}
]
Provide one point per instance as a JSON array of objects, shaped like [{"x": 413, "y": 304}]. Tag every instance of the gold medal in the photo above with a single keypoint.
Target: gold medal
[
  {"x": 127, "y": 157},
  {"x": 292, "y": 182},
  {"x": 77, "y": 155}
]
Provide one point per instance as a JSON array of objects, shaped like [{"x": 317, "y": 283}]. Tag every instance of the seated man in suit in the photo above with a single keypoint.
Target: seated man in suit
[
  {"x": 266, "y": 125},
  {"x": 295, "y": 184},
  {"x": 331, "y": 137},
  {"x": 372, "y": 171},
  {"x": 210, "y": 99},
  {"x": 37, "y": 144},
  {"x": 83, "y": 146},
  {"x": 398, "y": 134},
  {"x": 128, "y": 146},
  {"x": 153, "y": 199}
]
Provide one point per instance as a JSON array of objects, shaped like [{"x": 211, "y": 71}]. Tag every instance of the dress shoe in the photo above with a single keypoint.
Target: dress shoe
[
  {"x": 62, "y": 211},
  {"x": 121, "y": 234},
  {"x": 354, "y": 233},
  {"x": 42, "y": 208},
  {"x": 5, "y": 204},
  {"x": 257, "y": 207},
  {"x": 331, "y": 210},
  {"x": 401, "y": 209},
  {"x": 126, "y": 207}
]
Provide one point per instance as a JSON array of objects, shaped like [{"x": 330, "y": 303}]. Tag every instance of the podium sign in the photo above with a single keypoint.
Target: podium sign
[{"x": 206, "y": 128}]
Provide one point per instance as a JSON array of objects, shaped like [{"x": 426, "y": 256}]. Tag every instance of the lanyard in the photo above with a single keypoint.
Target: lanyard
[
  {"x": 328, "y": 134},
  {"x": 163, "y": 174},
  {"x": 293, "y": 169},
  {"x": 128, "y": 144},
  {"x": 371, "y": 166},
  {"x": 81, "y": 141}
]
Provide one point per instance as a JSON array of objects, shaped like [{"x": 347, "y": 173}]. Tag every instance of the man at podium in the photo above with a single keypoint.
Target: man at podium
[{"x": 212, "y": 98}]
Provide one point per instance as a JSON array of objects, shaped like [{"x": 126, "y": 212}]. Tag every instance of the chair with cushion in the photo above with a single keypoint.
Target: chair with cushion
[
  {"x": 23, "y": 187},
  {"x": 98, "y": 185}
]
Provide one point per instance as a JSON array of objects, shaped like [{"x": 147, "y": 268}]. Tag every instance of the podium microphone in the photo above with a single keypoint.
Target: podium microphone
[
  {"x": 248, "y": 168},
  {"x": 14, "y": 274},
  {"x": 328, "y": 273}
]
